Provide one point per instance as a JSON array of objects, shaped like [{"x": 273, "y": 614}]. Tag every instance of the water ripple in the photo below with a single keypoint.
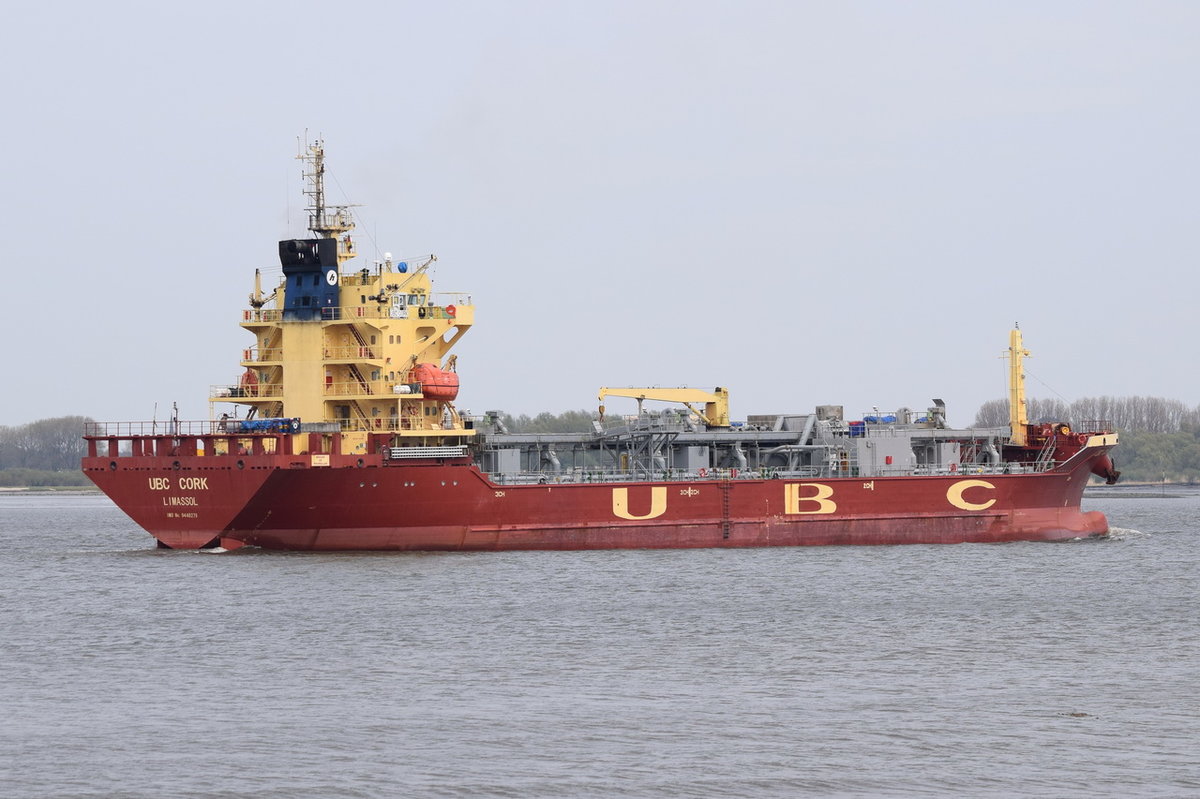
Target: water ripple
[{"x": 982, "y": 670}]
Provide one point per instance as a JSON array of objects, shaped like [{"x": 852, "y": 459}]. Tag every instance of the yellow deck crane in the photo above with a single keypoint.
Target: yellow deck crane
[{"x": 716, "y": 402}]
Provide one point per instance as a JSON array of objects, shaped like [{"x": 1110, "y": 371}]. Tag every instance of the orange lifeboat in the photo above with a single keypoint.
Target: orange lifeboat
[{"x": 436, "y": 383}]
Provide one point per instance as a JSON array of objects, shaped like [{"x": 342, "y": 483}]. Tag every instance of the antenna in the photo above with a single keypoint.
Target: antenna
[{"x": 334, "y": 225}]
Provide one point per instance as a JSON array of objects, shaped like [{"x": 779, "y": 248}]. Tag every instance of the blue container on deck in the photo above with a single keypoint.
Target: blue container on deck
[{"x": 280, "y": 425}]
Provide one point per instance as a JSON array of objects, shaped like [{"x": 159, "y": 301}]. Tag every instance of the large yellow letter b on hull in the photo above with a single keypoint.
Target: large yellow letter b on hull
[
  {"x": 658, "y": 503},
  {"x": 819, "y": 502}
]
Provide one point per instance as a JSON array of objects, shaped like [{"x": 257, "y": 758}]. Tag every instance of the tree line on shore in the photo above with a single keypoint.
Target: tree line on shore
[
  {"x": 1160, "y": 438},
  {"x": 43, "y": 453},
  {"x": 1125, "y": 414}
]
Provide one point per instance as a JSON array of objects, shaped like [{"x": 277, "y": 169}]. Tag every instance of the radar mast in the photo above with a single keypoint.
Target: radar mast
[{"x": 337, "y": 222}]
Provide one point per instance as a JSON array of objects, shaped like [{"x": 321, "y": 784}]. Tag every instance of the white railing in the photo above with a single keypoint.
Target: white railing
[
  {"x": 253, "y": 391},
  {"x": 398, "y": 453}
]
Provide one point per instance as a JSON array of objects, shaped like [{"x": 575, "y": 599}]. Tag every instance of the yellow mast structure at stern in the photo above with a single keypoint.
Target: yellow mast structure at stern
[{"x": 1017, "y": 414}]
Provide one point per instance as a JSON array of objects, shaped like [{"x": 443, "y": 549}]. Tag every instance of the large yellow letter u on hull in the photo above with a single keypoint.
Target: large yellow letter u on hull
[{"x": 658, "y": 503}]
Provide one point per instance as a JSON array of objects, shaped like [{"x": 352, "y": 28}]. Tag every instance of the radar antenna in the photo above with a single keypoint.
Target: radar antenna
[{"x": 338, "y": 222}]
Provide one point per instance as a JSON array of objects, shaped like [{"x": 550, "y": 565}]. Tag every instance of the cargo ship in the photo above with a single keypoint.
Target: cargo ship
[{"x": 341, "y": 433}]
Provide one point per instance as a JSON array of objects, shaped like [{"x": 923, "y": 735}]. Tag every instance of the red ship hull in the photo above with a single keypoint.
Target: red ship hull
[
  {"x": 283, "y": 502},
  {"x": 358, "y": 362}
]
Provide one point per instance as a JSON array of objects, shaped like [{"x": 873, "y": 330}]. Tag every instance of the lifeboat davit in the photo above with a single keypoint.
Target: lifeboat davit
[{"x": 436, "y": 383}]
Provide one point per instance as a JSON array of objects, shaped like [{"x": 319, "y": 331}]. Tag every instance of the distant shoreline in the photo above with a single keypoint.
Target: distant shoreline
[
  {"x": 49, "y": 490},
  {"x": 1142, "y": 484}
]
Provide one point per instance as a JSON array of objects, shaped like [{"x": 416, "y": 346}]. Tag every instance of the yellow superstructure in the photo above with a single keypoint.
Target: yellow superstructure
[{"x": 367, "y": 350}]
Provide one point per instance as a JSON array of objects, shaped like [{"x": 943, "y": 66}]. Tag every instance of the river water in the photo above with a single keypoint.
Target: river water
[{"x": 1067, "y": 669}]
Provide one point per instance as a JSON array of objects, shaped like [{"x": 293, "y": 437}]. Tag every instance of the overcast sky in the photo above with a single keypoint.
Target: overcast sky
[{"x": 806, "y": 202}]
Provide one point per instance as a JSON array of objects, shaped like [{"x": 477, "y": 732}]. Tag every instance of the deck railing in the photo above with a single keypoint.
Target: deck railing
[
  {"x": 246, "y": 391},
  {"x": 353, "y": 388},
  {"x": 401, "y": 453},
  {"x": 152, "y": 428},
  {"x": 242, "y": 427},
  {"x": 353, "y": 352},
  {"x": 262, "y": 354},
  {"x": 715, "y": 475},
  {"x": 446, "y": 305}
]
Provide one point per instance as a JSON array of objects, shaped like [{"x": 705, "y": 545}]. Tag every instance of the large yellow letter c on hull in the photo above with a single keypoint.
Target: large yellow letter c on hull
[
  {"x": 658, "y": 503},
  {"x": 954, "y": 495}
]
